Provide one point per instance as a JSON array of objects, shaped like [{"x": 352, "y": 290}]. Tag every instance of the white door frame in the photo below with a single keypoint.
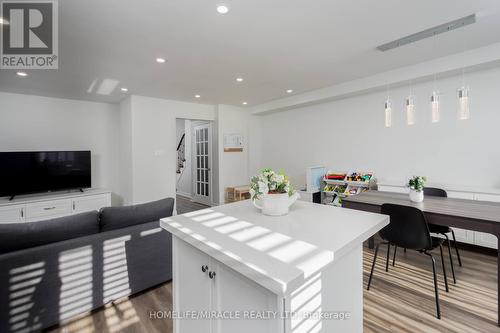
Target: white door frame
[{"x": 203, "y": 199}]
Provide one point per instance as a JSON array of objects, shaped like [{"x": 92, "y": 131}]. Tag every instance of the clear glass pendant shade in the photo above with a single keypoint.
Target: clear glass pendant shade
[
  {"x": 435, "y": 112},
  {"x": 410, "y": 110},
  {"x": 388, "y": 113},
  {"x": 463, "y": 103}
]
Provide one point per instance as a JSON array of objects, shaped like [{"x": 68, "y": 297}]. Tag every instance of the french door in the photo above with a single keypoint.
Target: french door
[{"x": 202, "y": 163}]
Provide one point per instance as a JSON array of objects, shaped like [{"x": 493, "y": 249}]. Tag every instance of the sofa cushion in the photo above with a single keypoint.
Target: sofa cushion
[
  {"x": 18, "y": 236},
  {"x": 120, "y": 217}
]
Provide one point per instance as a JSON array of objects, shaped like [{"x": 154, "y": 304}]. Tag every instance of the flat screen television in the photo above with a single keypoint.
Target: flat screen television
[{"x": 43, "y": 171}]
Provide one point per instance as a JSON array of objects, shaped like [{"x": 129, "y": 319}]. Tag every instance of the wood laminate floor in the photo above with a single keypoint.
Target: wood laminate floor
[
  {"x": 399, "y": 301},
  {"x": 185, "y": 205}
]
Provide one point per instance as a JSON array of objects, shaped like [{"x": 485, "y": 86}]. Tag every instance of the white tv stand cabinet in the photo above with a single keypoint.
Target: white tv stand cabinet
[{"x": 31, "y": 208}]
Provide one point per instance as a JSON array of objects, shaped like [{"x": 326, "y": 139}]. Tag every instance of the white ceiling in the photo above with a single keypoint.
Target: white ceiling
[{"x": 274, "y": 45}]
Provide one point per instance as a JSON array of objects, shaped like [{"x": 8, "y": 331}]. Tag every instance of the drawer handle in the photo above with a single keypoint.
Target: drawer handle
[
  {"x": 211, "y": 275},
  {"x": 49, "y": 208},
  {"x": 204, "y": 268}
]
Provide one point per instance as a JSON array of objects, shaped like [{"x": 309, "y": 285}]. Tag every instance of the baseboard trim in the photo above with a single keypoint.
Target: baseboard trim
[{"x": 184, "y": 194}]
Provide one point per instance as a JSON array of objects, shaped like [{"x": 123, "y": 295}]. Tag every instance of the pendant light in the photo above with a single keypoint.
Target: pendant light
[
  {"x": 388, "y": 109},
  {"x": 388, "y": 113},
  {"x": 435, "y": 112},
  {"x": 410, "y": 107},
  {"x": 435, "y": 107},
  {"x": 463, "y": 100},
  {"x": 410, "y": 110},
  {"x": 463, "y": 106}
]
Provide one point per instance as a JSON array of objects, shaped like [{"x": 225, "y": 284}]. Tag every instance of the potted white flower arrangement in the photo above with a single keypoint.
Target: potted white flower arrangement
[
  {"x": 416, "y": 185},
  {"x": 272, "y": 193}
]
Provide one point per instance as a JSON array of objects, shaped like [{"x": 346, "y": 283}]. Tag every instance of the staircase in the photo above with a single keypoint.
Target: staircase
[{"x": 181, "y": 154}]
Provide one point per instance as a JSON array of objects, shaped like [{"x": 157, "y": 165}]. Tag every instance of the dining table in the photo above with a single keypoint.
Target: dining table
[{"x": 482, "y": 216}]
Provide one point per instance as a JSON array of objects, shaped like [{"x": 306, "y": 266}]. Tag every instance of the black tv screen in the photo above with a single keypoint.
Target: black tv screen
[{"x": 43, "y": 171}]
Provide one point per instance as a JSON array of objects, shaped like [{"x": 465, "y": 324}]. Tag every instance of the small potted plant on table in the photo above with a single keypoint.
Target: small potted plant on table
[{"x": 416, "y": 185}]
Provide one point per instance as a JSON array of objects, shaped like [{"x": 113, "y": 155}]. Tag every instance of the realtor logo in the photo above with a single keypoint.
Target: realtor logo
[{"x": 29, "y": 34}]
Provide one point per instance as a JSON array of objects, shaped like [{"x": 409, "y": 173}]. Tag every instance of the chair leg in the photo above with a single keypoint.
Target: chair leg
[
  {"x": 436, "y": 291},
  {"x": 405, "y": 249},
  {"x": 373, "y": 266},
  {"x": 444, "y": 269},
  {"x": 451, "y": 259},
  {"x": 456, "y": 248},
  {"x": 387, "y": 259},
  {"x": 394, "y": 256}
]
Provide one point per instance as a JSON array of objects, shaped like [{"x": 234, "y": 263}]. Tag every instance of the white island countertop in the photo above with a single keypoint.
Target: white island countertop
[{"x": 278, "y": 253}]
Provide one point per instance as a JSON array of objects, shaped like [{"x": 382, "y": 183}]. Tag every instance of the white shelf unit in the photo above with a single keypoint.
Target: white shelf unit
[{"x": 334, "y": 198}]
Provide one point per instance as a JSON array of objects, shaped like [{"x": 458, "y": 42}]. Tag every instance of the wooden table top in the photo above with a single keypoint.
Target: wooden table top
[{"x": 480, "y": 210}]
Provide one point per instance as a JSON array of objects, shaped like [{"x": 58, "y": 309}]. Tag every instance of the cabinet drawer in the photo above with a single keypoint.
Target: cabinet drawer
[
  {"x": 90, "y": 203},
  {"x": 47, "y": 209},
  {"x": 12, "y": 214},
  {"x": 464, "y": 236},
  {"x": 397, "y": 189}
]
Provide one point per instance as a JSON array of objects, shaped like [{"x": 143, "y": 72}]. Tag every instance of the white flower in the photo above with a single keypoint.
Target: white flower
[
  {"x": 279, "y": 179},
  {"x": 263, "y": 187}
]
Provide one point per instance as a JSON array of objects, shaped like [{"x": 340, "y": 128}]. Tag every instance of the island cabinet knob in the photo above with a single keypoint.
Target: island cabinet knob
[
  {"x": 211, "y": 275},
  {"x": 204, "y": 268}
]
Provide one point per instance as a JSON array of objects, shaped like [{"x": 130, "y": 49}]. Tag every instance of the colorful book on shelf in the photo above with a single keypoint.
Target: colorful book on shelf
[{"x": 332, "y": 175}]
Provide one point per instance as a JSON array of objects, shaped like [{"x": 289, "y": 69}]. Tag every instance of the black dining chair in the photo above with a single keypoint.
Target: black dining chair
[
  {"x": 439, "y": 229},
  {"x": 442, "y": 229},
  {"x": 408, "y": 228}
]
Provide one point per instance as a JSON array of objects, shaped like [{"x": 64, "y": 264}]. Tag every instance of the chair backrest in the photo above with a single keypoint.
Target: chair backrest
[
  {"x": 407, "y": 228},
  {"x": 435, "y": 192}
]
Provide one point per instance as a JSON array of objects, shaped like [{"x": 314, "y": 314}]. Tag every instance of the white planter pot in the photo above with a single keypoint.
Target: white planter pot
[
  {"x": 276, "y": 204},
  {"x": 416, "y": 196}
]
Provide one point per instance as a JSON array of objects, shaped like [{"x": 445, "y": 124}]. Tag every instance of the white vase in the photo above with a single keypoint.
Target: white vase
[
  {"x": 416, "y": 196},
  {"x": 275, "y": 204}
]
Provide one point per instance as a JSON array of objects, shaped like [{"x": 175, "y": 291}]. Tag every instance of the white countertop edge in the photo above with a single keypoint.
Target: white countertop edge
[
  {"x": 363, "y": 237},
  {"x": 280, "y": 288}
]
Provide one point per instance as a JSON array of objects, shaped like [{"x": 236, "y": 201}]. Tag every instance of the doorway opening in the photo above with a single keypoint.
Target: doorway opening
[{"x": 194, "y": 165}]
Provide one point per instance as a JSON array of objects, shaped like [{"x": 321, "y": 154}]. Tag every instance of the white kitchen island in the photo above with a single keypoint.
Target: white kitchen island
[{"x": 237, "y": 271}]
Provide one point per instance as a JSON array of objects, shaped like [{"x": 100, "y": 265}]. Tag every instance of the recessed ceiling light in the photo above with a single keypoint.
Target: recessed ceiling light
[
  {"x": 23, "y": 74},
  {"x": 124, "y": 89},
  {"x": 244, "y": 103},
  {"x": 289, "y": 91},
  {"x": 197, "y": 96},
  {"x": 222, "y": 8},
  {"x": 160, "y": 60},
  {"x": 239, "y": 79}
]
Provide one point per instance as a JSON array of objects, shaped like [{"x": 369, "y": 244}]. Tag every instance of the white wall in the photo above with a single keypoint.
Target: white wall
[
  {"x": 29, "y": 122},
  {"x": 153, "y": 149},
  {"x": 350, "y": 134},
  {"x": 125, "y": 167},
  {"x": 233, "y": 166}
]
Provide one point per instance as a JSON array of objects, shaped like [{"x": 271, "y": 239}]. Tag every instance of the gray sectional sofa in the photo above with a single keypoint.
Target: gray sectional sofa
[{"x": 53, "y": 270}]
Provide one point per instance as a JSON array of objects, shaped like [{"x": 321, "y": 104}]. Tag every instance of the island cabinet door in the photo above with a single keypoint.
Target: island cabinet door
[
  {"x": 192, "y": 289},
  {"x": 252, "y": 307}
]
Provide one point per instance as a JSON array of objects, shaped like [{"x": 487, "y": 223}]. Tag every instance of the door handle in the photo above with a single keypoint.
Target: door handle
[
  {"x": 211, "y": 275},
  {"x": 22, "y": 212},
  {"x": 204, "y": 268},
  {"x": 49, "y": 208}
]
